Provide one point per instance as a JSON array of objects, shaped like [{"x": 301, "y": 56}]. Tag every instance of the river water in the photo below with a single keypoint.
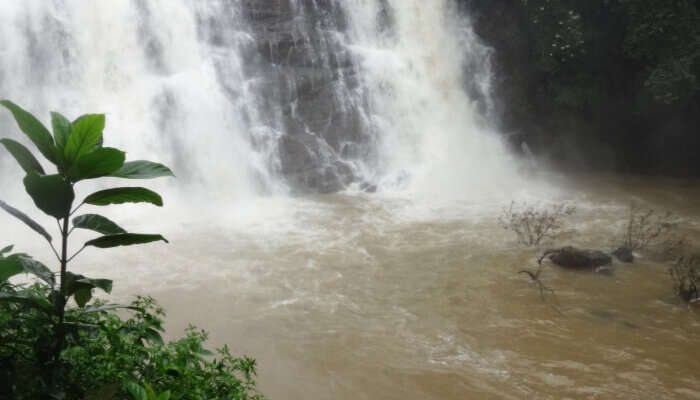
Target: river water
[
  {"x": 353, "y": 296},
  {"x": 412, "y": 292}
]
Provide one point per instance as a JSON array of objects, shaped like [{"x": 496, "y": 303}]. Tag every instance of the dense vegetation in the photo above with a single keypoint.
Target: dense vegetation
[
  {"x": 601, "y": 83},
  {"x": 52, "y": 350}
]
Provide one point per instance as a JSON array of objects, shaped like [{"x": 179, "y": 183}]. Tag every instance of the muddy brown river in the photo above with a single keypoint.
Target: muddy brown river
[{"x": 356, "y": 296}]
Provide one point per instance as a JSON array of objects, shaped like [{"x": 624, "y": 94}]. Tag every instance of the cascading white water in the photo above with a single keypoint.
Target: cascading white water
[
  {"x": 149, "y": 67},
  {"x": 434, "y": 139},
  {"x": 219, "y": 90}
]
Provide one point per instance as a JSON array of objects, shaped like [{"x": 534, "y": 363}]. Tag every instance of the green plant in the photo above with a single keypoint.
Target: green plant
[
  {"x": 76, "y": 151},
  {"x": 145, "y": 392}
]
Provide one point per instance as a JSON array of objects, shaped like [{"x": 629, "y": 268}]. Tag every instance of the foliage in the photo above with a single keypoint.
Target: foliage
[
  {"x": 532, "y": 225},
  {"x": 106, "y": 356},
  {"x": 605, "y": 84},
  {"x": 686, "y": 278},
  {"x": 665, "y": 35},
  {"x": 50, "y": 350},
  {"x": 558, "y": 33}
]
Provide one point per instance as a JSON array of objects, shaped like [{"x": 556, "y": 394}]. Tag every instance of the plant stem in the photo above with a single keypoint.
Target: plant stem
[{"x": 61, "y": 306}]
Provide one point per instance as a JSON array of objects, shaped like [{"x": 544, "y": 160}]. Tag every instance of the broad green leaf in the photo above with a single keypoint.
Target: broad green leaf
[
  {"x": 142, "y": 169},
  {"x": 76, "y": 281},
  {"x": 124, "y": 239},
  {"x": 24, "y": 218},
  {"x": 82, "y": 296},
  {"x": 33, "y": 128},
  {"x": 6, "y": 249},
  {"x": 100, "y": 142},
  {"x": 9, "y": 267},
  {"x": 150, "y": 392},
  {"x": 20, "y": 263},
  {"x": 24, "y": 157},
  {"x": 51, "y": 193},
  {"x": 61, "y": 130},
  {"x": 136, "y": 391},
  {"x": 124, "y": 195},
  {"x": 85, "y": 135},
  {"x": 164, "y": 395},
  {"x": 36, "y": 268},
  {"x": 104, "y": 284},
  {"x": 97, "y": 163},
  {"x": 97, "y": 223},
  {"x": 81, "y": 287}
]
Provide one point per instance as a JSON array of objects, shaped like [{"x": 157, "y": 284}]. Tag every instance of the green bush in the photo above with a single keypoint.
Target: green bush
[{"x": 51, "y": 351}]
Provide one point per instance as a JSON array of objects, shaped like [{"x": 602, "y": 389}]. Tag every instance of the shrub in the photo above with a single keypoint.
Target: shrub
[
  {"x": 533, "y": 225},
  {"x": 686, "y": 278},
  {"x": 642, "y": 229}
]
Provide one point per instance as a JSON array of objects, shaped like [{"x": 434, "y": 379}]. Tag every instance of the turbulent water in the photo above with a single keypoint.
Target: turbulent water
[
  {"x": 268, "y": 97},
  {"x": 409, "y": 292}
]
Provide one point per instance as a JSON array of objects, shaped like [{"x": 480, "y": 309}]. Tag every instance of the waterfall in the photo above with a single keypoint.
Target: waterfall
[{"x": 256, "y": 97}]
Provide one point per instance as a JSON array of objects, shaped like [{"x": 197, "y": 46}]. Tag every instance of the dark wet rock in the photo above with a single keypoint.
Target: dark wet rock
[
  {"x": 308, "y": 88},
  {"x": 305, "y": 167},
  {"x": 572, "y": 257},
  {"x": 624, "y": 254}
]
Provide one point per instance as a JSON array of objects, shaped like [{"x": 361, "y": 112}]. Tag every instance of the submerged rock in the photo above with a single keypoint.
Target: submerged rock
[
  {"x": 572, "y": 257},
  {"x": 624, "y": 254}
]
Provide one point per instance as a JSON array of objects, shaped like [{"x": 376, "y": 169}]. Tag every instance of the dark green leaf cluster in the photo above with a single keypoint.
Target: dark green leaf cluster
[
  {"x": 111, "y": 357},
  {"x": 573, "y": 39}
]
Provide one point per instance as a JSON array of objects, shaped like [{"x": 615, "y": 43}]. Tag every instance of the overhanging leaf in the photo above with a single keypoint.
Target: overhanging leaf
[
  {"x": 20, "y": 263},
  {"x": 9, "y": 267},
  {"x": 104, "y": 284},
  {"x": 33, "y": 128},
  {"x": 124, "y": 239},
  {"x": 6, "y": 249},
  {"x": 24, "y": 157},
  {"x": 85, "y": 135},
  {"x": 34, "y": 267},
  {"x": 142, "y": 169},
  {"x": 24, "y": 218},
  {"x": 97, "y": 223},
  {"x": 51, "y": 193},
  {"x": 124, "y": 195},
  {"x": 100, "y": 162}
]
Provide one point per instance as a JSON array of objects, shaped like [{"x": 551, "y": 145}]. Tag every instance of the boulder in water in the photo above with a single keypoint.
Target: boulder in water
[
  {"x": 624, "y": 254},
  {"x": 572, "y": 257}
]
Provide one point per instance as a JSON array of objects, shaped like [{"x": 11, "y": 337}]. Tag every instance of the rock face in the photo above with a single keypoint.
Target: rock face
[
  {"x": 308, "y": 83},
  {"x": 572, "y": 257}
]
